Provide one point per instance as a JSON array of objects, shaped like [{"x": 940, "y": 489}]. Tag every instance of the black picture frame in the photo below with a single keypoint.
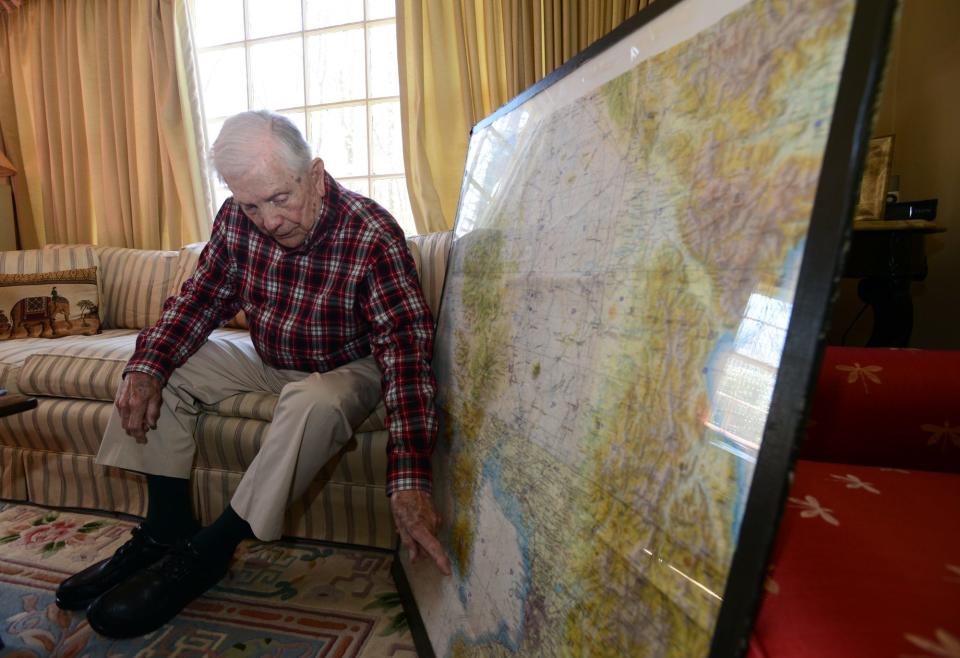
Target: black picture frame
[{"x": 822, "y": 263}]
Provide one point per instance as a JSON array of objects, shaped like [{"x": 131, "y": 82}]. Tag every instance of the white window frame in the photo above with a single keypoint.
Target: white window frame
[{"x": 247, "y": 42}]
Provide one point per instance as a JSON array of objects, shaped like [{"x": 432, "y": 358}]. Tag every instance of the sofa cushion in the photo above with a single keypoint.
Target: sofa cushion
[
  {"x": 866, "y": 564},
  {"x": 135, "y": 284},
  {"x": 114, "y": 345},
  {"x": 49, "y": 304},
  {"x": 87, "y": 370}
]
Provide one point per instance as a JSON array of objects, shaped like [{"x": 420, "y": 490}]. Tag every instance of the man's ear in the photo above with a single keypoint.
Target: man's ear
[{"x": 317, "y": 179}]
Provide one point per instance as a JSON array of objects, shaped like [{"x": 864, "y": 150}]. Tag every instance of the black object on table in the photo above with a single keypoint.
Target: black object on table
[
  {"x": 14, "y": 404},
  {"x": 887, "y": 256}
]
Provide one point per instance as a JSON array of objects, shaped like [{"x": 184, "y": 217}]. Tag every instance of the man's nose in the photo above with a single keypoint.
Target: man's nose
[{"x": 272, "y": 219}]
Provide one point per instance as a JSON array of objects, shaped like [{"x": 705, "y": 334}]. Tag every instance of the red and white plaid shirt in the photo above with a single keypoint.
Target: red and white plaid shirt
[{"x": 349, "y": 289}]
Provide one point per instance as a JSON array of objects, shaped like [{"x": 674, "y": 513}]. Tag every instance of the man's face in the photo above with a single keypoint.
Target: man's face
[{"x": 281, "y": 203}]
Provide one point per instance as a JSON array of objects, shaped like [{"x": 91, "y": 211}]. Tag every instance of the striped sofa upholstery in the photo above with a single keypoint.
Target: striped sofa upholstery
[{"x": 46, "y": 454}]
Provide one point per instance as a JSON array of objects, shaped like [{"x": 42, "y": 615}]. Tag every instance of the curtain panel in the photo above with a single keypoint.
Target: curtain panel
[
  {"x": 100, "y": 112},
  {"x": 460, "y": 60}
]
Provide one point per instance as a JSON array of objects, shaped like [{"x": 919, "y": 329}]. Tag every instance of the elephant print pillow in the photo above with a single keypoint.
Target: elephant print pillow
[{"x": 49, "y": 304}]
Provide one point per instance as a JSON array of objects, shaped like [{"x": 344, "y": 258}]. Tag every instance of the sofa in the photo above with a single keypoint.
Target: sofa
[{"x": 47, "y": 454}]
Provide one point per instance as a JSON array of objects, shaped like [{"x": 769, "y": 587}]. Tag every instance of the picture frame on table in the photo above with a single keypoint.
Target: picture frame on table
[{"x": 876, "y": 173}]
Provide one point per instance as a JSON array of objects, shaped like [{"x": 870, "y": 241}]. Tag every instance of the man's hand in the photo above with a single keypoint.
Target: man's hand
[
  {"x": 138, "y": 402},
  {"x": 417, "y": 522}
]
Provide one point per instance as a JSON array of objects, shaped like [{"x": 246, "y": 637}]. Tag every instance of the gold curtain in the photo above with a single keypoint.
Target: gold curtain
[
  {"x": 100, "y": 112},
  {"x": 462, "y": 59}
]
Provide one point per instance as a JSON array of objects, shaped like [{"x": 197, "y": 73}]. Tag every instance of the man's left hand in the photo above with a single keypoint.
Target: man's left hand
[{"x": 417, "y": 522}]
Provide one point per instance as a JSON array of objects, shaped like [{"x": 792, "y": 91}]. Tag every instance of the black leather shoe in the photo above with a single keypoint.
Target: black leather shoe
[
  {"x": 149, "y": 599},
  {"x": 141, "y": 550}
]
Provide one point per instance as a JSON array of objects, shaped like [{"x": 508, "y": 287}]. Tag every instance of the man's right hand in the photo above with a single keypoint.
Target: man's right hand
[{"x": 138, "y": 402}]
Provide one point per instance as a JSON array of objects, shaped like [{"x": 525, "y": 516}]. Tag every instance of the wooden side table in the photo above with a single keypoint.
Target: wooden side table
[{"x": 887, "y": 256}]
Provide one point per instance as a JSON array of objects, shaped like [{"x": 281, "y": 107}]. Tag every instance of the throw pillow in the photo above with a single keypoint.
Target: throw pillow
[{"x": 49, "y": 304}]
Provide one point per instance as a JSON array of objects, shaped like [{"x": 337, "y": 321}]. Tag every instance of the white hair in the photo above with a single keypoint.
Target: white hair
[{"x": 239, "y": 146}]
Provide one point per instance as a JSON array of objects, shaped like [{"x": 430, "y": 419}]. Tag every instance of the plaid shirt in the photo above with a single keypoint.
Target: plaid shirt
[{"x": 349, "y": 289}]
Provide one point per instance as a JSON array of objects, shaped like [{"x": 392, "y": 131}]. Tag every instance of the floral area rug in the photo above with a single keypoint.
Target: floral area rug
[{"x": 280, "y": 599}]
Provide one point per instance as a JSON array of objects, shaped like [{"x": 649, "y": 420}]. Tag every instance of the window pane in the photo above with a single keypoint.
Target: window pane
[
  {"x": 218, "y": 21},
  {"x": 324, "y": 13},
  {"x": 213, "y": 129},
  {"x": 358, "y": 185},
  {"x": 223, "y": 76},
  {"x": 335, "y": 66},
  {"x": 387, "y": 147},
  {"x": 220, "y": 193},
  {"x": 391, "y": 193},
  {"x": 266, "y": 18},
  {"x": 382, "y": 44},
  {"x": 339, "y": 136},
  {"x": 276, "y": 72},
  {"x": 380, "y": 9}
]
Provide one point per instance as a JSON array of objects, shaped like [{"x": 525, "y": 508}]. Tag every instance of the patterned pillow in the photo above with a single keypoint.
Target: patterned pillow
[{"x": 49, "y": 304}]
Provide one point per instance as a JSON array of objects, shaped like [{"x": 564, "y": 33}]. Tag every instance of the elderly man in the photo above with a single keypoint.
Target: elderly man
[{"x": 336, "y": 317}]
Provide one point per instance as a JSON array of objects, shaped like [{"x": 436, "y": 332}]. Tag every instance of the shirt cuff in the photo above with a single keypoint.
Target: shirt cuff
[
  {"x": 147, "y": 370},
  {"x": 409, "y": 471}
]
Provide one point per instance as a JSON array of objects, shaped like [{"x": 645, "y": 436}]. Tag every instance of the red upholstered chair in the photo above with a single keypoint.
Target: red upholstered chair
[{"x": 867, "y": 558}]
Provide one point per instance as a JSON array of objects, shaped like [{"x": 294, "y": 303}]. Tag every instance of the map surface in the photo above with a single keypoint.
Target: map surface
[{"x": 621, "y": 279}]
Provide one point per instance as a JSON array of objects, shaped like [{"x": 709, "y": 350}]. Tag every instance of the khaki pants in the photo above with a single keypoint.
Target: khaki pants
[{"x": 314, "y": 417}]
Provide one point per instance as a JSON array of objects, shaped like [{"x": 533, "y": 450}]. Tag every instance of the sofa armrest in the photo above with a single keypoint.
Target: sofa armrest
[{"x": 887, "y": 407}]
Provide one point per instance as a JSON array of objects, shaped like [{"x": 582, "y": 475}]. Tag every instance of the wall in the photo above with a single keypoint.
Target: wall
[{"x": 918, "y": 104}]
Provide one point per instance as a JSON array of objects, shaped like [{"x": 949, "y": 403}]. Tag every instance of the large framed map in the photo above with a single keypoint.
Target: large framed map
[{"x": 642, "y": 264}]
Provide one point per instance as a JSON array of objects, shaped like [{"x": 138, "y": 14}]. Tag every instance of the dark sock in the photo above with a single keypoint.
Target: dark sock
[
  {"x": 219, "y": 539},
  {"x": 169, "y": 512}
]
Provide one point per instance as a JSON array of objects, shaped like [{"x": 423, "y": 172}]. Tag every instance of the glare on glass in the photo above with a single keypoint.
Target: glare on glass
[
  {"x": 386, "y": 144},
  {"x": 391, "y": 193},
  {"x": 382, "y": 60},
  {"x": 335, "y": 66},
  {"x": 740, "y": 404},
  {"x": 324, "y": 13},
  {"x": 380, "y": 9},
  {"x": 276, "y": 73},
  {"x": 223, "y": 77},
  {"x": 267, "y": 18},
  {"x": 218, "y": 21},
  {"x": 339, "y": 136}
]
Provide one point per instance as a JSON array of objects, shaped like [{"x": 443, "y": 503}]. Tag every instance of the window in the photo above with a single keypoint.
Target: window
[{"x": 330, "y": 66}]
